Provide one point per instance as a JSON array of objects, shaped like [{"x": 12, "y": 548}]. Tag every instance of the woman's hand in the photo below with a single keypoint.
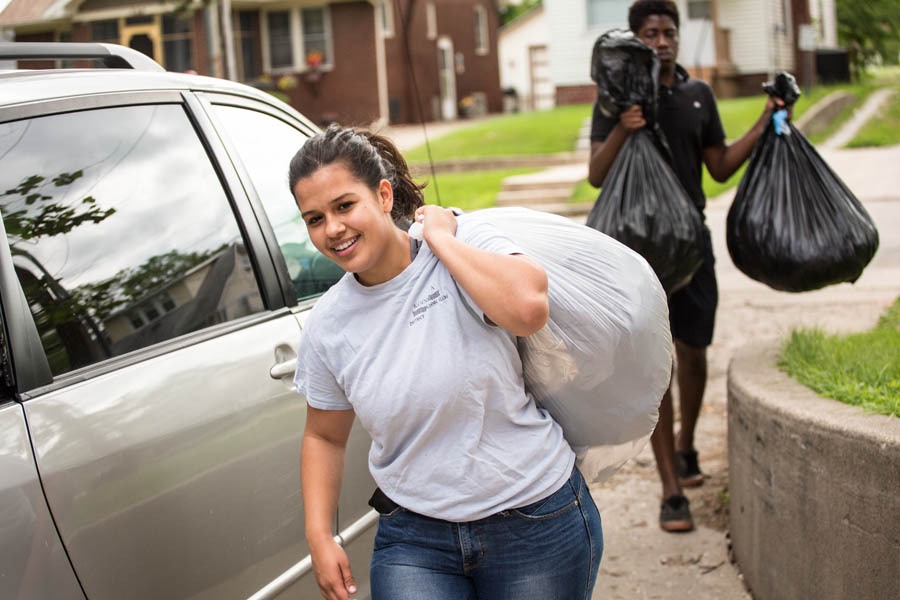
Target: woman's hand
[
  {"x": 439, "y": 223},
  {"x": 633, "y": 118},
  {"x": 332, "y": 570}
]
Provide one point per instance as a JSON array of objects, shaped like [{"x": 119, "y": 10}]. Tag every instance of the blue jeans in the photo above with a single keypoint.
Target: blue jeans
[{"x": 548, "y": 550}]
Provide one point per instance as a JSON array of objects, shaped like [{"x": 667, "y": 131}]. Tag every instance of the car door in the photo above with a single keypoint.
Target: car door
[
  {"x": 262, "y": 139},
  {"x": 161, "y": 412},
  {"x": 32, "y": 558}
]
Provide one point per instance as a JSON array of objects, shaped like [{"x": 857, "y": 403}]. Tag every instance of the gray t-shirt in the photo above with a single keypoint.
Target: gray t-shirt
[{"x": 454, "y": 434}]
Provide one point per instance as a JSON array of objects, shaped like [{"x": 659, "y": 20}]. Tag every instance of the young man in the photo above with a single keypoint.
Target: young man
[{"x": 689, "y": 119}]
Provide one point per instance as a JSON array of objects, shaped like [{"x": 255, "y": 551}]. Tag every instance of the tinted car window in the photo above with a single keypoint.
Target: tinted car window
[
  {"x": 266, "y": 146},
  {"x": 120, "y": 231}
]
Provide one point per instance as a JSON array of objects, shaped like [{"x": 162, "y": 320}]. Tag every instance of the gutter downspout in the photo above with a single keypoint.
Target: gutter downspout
[{"x": 381, "y": 68}]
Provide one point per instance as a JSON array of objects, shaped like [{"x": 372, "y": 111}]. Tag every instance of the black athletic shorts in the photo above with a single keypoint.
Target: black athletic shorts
[{"x": 692, "y": 309}]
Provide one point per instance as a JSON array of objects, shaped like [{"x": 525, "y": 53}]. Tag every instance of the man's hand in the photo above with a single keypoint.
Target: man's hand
[
  {"x": 632, "y": 119},
  {"x": 775, "y": 104},
  {"x": 332, "y": 570}
]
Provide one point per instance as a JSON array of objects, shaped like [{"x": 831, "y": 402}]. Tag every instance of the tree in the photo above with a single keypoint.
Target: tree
[
  {"x": 510, "y": 12},
  {"x": 870, "y": 31}
]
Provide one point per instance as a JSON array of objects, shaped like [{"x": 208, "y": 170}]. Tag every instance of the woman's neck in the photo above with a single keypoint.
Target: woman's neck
[{"x": 393, "y": 260}]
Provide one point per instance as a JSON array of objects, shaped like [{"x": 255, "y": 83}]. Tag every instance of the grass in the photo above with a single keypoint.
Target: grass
[
  {"x": 883, "y": 129},
  {"x": 860, "y": 369},
  {"x": 471, "y": 190},
  {"x": 532, "y": 133}
]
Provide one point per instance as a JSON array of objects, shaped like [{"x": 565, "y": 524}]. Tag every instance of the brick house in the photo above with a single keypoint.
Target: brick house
[{"x": 343, "y": 60}]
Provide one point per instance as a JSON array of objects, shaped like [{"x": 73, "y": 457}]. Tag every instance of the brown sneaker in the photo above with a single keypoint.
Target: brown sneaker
[
  {"x": 675, "y": 514},
  {"x": 689, "y": 474}
]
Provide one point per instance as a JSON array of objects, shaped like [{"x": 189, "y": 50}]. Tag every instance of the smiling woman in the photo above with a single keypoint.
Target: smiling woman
[{"x": 452, "y": 308}]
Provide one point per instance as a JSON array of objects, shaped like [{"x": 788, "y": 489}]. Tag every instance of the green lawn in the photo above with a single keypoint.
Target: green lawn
[
  {"x": 531, "y": 133},
  {"x": 859, "y": 369},
  {"x": 883, "y": 129},
  {"x": 469, "y": 191}
]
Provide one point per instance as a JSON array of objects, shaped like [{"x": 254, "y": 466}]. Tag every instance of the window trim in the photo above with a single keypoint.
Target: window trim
[
  {"x": 431, "y": 30},
  {"x": 386, "y": 13},
  {"x": 298, "y": 59},
  {"x": 482, "y": 37}
]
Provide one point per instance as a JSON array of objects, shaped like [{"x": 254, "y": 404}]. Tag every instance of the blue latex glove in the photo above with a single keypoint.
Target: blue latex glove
[{"x": 779, "y": 119}]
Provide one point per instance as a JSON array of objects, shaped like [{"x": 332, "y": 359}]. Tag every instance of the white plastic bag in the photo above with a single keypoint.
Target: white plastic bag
[{"x": 603, "y": 361}]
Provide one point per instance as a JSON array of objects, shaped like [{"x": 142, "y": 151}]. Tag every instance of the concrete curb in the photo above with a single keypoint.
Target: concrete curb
[
  {"x": 813, "y": 483},
  {"x": 823, "y": 112}
]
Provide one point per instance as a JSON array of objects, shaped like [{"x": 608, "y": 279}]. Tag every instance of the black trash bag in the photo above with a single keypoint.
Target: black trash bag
[
  {"x": 642, "y": 204},
  {"x": 793, "y": 224},
  {"x": 626, "y": 72}
]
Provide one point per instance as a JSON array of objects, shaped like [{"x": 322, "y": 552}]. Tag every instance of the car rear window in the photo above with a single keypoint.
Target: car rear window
[{"x": 121, "y": 233}]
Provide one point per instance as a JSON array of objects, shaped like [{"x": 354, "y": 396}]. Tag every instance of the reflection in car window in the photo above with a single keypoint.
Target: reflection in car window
[
  {"x": 266, "y": 146},
  {"x": 120, "y": 231}
]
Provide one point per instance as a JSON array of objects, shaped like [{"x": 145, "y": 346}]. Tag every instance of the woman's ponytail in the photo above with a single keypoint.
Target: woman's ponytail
[
  {"x": 369, "y": 157},
  {"x": 407, "y": 193}
]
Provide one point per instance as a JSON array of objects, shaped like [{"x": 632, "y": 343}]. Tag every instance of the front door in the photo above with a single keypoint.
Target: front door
[{"x": 447, "y": 78}]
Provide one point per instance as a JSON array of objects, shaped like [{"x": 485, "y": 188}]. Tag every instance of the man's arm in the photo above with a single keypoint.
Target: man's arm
[
  {"x": 722, "y": 160},
  {"x": 604, "y": 153}
]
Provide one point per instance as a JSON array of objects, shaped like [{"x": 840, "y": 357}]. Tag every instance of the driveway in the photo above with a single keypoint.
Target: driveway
[{"x": 640, "y": 561}]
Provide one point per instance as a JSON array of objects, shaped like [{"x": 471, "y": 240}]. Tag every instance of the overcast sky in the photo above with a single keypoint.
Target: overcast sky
[{"x": 3, "y": 4}]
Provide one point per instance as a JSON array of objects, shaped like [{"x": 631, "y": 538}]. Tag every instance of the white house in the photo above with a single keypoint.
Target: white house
[
  {"x": 524, "y": 60},
  {"x": 734, "y": 44}
]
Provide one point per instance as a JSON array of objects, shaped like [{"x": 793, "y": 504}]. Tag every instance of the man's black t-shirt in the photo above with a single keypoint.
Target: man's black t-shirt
[{"x": 689, "y": 118}]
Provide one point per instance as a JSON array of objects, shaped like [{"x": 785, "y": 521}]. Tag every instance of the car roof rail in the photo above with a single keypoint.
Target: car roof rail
[{"x": 112, "y": 56}]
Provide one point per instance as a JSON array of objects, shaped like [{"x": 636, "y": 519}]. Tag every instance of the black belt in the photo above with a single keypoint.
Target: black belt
[{"x": 380, "y": 502}]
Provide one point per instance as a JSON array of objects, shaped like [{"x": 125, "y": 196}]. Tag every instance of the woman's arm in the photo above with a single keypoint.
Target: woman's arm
[
  {"x": 321, "y": 468},
  {"x": 510, "y": 289},
  {"x": 604, "y": 153}
]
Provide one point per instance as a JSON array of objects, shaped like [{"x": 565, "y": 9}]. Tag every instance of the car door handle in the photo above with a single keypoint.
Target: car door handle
[{"x": 283, "y": 369}]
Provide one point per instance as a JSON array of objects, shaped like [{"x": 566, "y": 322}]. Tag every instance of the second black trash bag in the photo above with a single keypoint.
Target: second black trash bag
[
  {"x": 793, "y": 224},
  {"x": 643, "y": 205}
]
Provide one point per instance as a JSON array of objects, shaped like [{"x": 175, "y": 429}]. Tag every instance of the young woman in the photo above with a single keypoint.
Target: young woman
[{"x": 478, "y": 493}]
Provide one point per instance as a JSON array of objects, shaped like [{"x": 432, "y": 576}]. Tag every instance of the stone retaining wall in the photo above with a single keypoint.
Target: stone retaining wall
[{"x": 814, "y": 489}]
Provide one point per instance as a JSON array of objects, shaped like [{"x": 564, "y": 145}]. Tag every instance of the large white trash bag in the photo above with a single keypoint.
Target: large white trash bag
[{"x": 603, "y": 361}]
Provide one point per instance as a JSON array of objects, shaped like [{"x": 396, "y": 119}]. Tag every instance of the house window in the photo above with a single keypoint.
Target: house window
[
  {"x": 293, "y": 37},
  {"x": 431, "y": 21},
  {"x": 481, "y": 30},
  {"x": 607, "y": 12},
  {"x": 280, "y": 47},
  {"x": 177, "y": 38},
  {"x": 699, "y": 9},
  {"x": 246, "y": 35},
  {"x": 315, "y": 35},
  {"x": 386, "y": 12},
  {"x": 105, "y": 31}
]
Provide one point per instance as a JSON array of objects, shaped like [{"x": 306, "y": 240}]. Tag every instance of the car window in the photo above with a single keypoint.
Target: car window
[
  {"x": 121, "y": 233},
  {"x": 266, "y": 146}
]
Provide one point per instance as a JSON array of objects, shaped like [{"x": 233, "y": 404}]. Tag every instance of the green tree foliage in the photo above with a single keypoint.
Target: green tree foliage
[
  {"x": 512, "y": 11},
  {"x": 870, "y": 31}
]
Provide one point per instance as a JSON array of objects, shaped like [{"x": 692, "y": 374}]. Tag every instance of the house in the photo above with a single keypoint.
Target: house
[
  {"x": 524, "y": 61},
  {"x": 735, "y": 45},
  {"x": 335, "y": 60}
]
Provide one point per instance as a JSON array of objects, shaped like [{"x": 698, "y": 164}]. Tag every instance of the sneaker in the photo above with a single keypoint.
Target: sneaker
[
  {"x": 675, "y": 514},
  {"x": 689, "y": 474}
]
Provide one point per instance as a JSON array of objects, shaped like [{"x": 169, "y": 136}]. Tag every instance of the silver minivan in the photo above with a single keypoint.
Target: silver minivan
[{"x": 154, "y": 278}]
